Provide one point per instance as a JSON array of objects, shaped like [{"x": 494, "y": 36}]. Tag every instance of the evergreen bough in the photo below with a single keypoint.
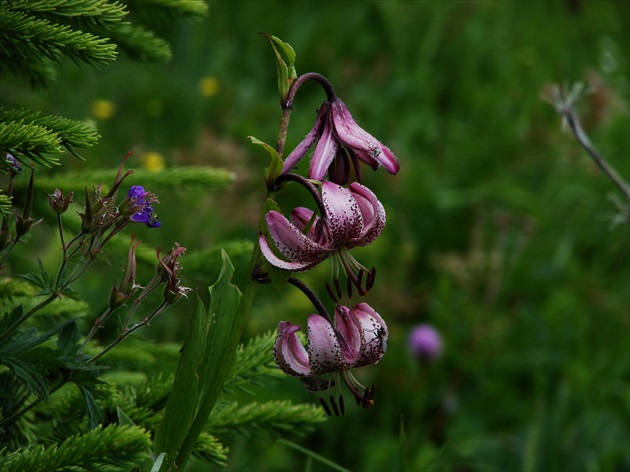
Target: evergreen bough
[{"x": 37, "y": 35}]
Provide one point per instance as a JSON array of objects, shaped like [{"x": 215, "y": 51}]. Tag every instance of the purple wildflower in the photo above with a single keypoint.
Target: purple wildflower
[
  {"x": 425, "y": 342},
  {"x": 142, "y": 211}
]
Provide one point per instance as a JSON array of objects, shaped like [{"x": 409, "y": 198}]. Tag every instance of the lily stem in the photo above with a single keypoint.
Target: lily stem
[
  {"x": 287, "y": 105},
  {"x": 317, "y": 303}
]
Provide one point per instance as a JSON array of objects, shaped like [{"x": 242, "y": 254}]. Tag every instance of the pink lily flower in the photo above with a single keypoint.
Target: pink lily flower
[
  {"x": 358, "y": 338},
  {"x": 340, "y": 140},
  {"x": 354, "y": 217}
]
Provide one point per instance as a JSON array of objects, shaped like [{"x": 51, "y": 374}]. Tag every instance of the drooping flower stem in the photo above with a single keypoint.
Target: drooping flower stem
[
  {"x": 308, "y": 185},
  {"x": 287, "y": 105},
  {"x": 317, "y": 303},
  {"x": 297, "y": 83}
]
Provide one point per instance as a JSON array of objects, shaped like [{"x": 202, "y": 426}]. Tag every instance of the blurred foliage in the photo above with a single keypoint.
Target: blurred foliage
[{"x": 498, "y": 228}]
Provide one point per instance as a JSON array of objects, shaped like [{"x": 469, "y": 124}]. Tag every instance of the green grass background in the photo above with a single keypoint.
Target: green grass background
[{"x": 498, "y": 229}]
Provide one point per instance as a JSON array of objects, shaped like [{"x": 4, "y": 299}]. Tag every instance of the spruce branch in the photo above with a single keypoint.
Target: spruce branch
[
  {"x": 206, "y": 178},
  {"x": 38, "y": 74},
  {"x": 30, "y": 141},
  {"x": 83, "y": 13},
  {"x": 26, "y": 134},
  {"x": 140, "y": 44},
  {"x": 157, "y": 13},
  {"x": 273, "y": 417},
  {"x": 254, "y": 362},
  {"x": 5, "y": 205},
  {"x": 210, "y": 449},
  {"x": 112, "y": 448},
  {"x": 25, "y": 38}
]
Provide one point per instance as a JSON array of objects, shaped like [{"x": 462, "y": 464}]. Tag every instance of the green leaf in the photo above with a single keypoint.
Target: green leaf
[
  {"x": 123, "y": 419},
  {"x": 185, "y": 394},
  {"x": 158, "y": 462},
  {"x": 225, "y": 298},
  {"x": 32, "y": 374},
  {"x": 24, "y": 341},
  {"x": 94, "y": 412},
  {"x": 68, "y": 340},
  {"x": 275, "y": 164},
  {"x": 11, "y": 321},
  {"x": 41, "y": 280},
  {"x": 220, "y": 356},
  {"x": 286, "y": 73}
]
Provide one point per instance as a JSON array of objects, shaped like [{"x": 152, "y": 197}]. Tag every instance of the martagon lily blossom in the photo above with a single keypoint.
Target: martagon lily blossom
[
  {"x": 358, "y": 338},
  {"x": 354, "y": 217},
  {"x": 340, "y": 141}
]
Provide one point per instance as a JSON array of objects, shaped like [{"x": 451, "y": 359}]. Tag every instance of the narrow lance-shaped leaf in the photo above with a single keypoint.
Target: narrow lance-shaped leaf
[
  {"x": 185, "y": 394},
  {"x": 223, "y": 337}
]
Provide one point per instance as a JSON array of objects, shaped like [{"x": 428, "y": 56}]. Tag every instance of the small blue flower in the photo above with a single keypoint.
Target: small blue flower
[
  {"x": 13, "y": 164},
  {"x": 141, "y": 205}
]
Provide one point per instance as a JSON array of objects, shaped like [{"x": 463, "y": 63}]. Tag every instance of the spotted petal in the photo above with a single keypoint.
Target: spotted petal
[
  {"x": 366, "y": 147},
  {"x": 342, "y": 213},
  {"x": 372, "y": 213},
  {"x": 323, "y": 347},
  {"x": 374, "y": 334},
  {"x": 301, "y": 253}
]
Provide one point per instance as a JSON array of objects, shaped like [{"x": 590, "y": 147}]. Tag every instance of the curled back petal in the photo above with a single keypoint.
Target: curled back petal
[
  {"x": 292, "y": 244},
  {"x": 372, "y": 212},
  {"x": 354, "y": 137},
  {"x": 324, "y": 152},
  {"x": 281, "y": 263},
  {"x": 350, "y": 337},
  {"x": 373, "y": 332},
  {"x": 288, "y": 351},
  {"x": 301, "y": 149}
]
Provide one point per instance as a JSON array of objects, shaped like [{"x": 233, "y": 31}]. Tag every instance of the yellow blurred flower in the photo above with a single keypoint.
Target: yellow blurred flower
[
  {"x": 103, "y": 109},
  {"x": 208, "y": 86},
  {"x": 153, "y": 161}
]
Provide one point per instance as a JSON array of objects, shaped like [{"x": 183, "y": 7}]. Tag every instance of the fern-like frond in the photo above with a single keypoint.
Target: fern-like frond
[
  {"x": 27, "y": 141},
  {"x": 5, "y": 206},
  {"x": 111, "y": 448},
  {"x": 26, "y": 38},
  {"x": 275, "y": 417},
  {"x": 162, "y": 12},
  {"x": 26, "y": 134},
  {"x": 86, "y": 13},
  {"x": 71, "y": 133},
  {"x": 38, "y": 74},
  {"x": 254, "y": 362},
  {"x": 141, "y": 44},
  {"x": 210, "y": 449},
  {"x": 206, "y": 178}
]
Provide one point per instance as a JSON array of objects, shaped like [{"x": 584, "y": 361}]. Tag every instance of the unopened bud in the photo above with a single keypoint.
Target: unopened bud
[{"x": 59, "y": 203}]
